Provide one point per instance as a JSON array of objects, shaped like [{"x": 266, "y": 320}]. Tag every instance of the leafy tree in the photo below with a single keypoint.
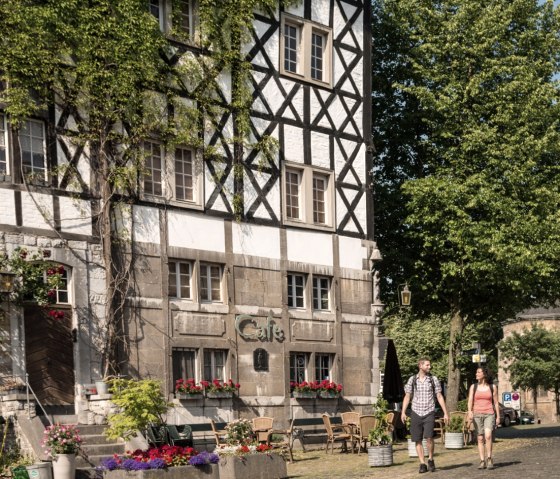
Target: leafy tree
[
  {"x": 484, "y": 209},
  {"x": 532, "y": 360}
]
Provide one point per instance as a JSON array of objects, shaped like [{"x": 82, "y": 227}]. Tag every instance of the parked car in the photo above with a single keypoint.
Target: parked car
[
  {"x": 508, "y": 415},
  {"x": 526, "y": 417}
]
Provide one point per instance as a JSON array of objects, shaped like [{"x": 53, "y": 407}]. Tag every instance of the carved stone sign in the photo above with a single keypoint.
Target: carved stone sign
[
  {"x": 260, "y": 359},
  {"x": 247, "y": 327}
]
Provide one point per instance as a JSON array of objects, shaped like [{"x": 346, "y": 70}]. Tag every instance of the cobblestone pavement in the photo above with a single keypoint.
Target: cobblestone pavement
[{"x": 520, "y": 452}]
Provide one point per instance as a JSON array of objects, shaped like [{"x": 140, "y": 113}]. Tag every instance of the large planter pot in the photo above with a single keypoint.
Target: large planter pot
[
  {"x": 210, "y": 471},
  {"x": 253, "y": 466},
  {"x": 219, "y": 394},
  {"x": 42, "y": 470},
  {"x": 304, "y": 394},
  {"x": 64, "y": 466},
  {"x": 412, "y": 448},
  {"x": 454, "y": 440},
  {"x": 329, "y": 394},
  {"x": 380, "y": 455},
  {"x": 102, "y": 387}
]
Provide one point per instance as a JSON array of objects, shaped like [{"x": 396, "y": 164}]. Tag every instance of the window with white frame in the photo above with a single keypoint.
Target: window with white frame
[
  {"x": 4, "y": 163},
  {"x": 157, "y": 9},
  {"x": 180, "y": 279},
  {"x": 214, "y": 366},
  {"x": 323, "y": 366},
  {"x": 184, "y": 363},
  {"x": 184, "y": 175},
  {"x": 177, "y": 13},
  {"x": 305, "y": 50},
  {"x": 33, "y": 149},
  {"x": 153, "y": 168},
  {"x": 62, "y": 291},
  {"x": 296, "y": 290},
  {"x": 321, "y": 293},
  {"x": 308, "y": 196},
  {"x": 298, "y": 367},
  {"x": 210, "y": 282}
]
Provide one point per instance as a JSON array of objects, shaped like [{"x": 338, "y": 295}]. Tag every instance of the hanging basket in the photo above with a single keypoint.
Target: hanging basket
[{"x": 380, "y": 455}]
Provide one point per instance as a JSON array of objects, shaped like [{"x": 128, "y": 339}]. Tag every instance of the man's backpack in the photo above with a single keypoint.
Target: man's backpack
[{"x": 415, "y": 378}]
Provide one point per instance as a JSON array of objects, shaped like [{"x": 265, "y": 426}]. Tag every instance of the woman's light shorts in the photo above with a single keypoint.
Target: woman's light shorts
[{"x": 484, "y": 421}]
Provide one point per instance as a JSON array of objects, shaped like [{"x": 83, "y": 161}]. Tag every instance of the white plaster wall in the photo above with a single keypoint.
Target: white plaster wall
[
  {"x": 320, "y": 150},
  {"x": 146, "y": 224},
  {"x": 75, "y": 216},
  {"x": 7, "y": 207},
  {"x": 293, "y": 143},
  {"x": 297, "y": 8},
  {"x": 271, "y": 47},
  {"x": 256, "y": 240},
  {"x": 320, "y": 10},
  {"x": 351, "y": 252},
  {"x": 190, "y": 230},
  {"x": 36, "y": 209},
  {"x": 309, "y": 247}
]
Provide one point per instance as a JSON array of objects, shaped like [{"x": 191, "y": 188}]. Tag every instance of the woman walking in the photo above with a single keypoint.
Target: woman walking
[{"x": 485, "y": 412}]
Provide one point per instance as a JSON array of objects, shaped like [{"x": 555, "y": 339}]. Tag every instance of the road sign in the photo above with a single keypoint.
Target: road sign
[
  {"x": 506, "y": 399},
  {"x": 516, "y": 401},
  {"x": 479, "y": 358}
]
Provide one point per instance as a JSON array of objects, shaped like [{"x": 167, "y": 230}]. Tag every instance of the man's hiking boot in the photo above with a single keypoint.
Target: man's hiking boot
[
  {"x": 431, "y": 465},
  {"x": 423, "y": 468}
]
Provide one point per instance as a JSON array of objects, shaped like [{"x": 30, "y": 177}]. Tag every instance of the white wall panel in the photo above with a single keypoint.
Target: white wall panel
[
  {"x": 309, "y": 247},
  {"x": 256, "y": 240},
  {"x": 146, "y": 224},
  {"x": 7, "y": 207},
  {"x": 351, "y": 252},
  {"x": 37, "y": 210},
  {"x": 191, "y": 230},
  {"x": 75, "y": 216},
  {"x": 293, "y": 143},
  {"x": 320, "y": 150}
]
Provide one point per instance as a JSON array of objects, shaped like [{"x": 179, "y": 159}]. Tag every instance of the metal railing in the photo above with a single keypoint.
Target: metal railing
[{"x": 23, "y": 382}]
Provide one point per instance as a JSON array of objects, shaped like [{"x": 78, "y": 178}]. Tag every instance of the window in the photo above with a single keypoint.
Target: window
[
  {"x": 298, "y": 367},
  {"x": 62, "y": 296},
  {"x": 180, "y": 277},
  {"x": 184, "y": 176},
  {"x": 3, "y": 145},
  {"x": 210, "y": 282},
  {"x": 157, "y": 10},
  {"x": 308, "y": 196},
  {"x": 184, "y": 363},
  {"x": 305, "y": 50},
  {"x": 321, "y": 290},
  {"x": 181, "y": 15},
  {"x": 185, "y": 17},
  {"x": 323, "y": 366},
  {"x": 214, "y": 364},
  {"x": 153, "y": 169},
  {"x": 296, "y": 290},
  {"x": 33, "y": 149}
]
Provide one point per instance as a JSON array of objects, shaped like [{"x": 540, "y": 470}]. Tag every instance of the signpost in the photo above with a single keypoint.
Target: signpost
[
  {"x": 507, "y": 399},
  {"x": 516, "y": 401}
]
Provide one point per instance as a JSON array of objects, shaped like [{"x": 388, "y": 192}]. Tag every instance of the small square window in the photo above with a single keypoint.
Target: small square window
[
  {"x": 215, "y": 364},
  {"x": 321, "y": 292},
  {"x": 296, "y": 290},
  {"x": 180, "y": 278}
]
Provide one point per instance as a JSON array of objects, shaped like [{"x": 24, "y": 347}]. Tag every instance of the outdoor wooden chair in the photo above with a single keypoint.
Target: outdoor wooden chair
[
  {"x": 219, "y": 434},
  {"x": 439, "y": 428},
  {"x": 352, "y": 420},
  {"x": 465, "y": 429},
  {"x": 261, "y": 427},
  {"x": 333, "y": 435},
  {"x": 366, "y": 422},
  {"x": 282, "y": 439}
]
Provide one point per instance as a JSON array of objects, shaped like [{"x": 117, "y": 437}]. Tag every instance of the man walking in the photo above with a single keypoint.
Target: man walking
[{"x": 423, "y": 389}]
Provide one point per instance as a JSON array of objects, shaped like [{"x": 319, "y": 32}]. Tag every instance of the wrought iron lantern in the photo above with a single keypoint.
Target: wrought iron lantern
[{"x": 7, "y": 281}]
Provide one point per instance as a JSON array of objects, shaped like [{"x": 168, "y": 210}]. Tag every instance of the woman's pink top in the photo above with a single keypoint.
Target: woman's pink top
[{"x": 483, "y": 401}]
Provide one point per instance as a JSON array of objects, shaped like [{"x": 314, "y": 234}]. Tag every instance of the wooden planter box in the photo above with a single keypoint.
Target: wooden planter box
[
  {"x": 210, "y": 471},
  {"x": 253, "y": 466},
  {"x": 304, "y": 394}
]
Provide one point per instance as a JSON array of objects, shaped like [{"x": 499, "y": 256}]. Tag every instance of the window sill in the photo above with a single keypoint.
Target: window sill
[{"x": 312, "y": 226}]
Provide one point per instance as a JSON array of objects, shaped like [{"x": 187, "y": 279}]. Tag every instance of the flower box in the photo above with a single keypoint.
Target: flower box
[
  {"x": 188, "y": 397},
  {"x": 329, "y": 394},
  {"x": 304, "y": 394},
  {"x": 219, "y": 394},
  {"x": 253, "y": 466},
  {"x": 209, "y": 471}
]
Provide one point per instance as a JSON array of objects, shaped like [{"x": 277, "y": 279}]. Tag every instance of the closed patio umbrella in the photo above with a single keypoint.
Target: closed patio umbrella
[{"x": 393, "y": 389}]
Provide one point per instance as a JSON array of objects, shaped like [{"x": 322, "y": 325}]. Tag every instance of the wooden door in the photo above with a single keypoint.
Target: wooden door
[{"x": 49, "y": 354}]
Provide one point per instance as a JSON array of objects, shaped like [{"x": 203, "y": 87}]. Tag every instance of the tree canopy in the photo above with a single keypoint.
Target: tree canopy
[{"x": 480, "y": 175}]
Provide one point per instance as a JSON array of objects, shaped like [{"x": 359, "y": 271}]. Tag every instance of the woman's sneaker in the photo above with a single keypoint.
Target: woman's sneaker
[
  {"x": 482, "y": 464},
  {"x": 489, "y": 463}
]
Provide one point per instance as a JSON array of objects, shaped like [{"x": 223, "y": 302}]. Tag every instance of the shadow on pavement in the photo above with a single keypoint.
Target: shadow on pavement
[{"x": 455, "y": 466}]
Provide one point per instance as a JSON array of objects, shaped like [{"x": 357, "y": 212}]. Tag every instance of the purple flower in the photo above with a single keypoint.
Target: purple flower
[
  {"x": 204, "y": 458},
  {"x": 157, "y": 463},
  {"x": 134, "y": 465},
  {"x": 109, "y": 464}
]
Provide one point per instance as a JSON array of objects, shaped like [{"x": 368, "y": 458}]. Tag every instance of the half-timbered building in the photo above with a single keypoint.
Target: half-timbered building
[{"x": 281, "y": 294}]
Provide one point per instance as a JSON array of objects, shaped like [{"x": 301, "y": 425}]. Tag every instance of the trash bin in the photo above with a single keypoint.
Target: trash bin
[{"x": 42, "y": 470}]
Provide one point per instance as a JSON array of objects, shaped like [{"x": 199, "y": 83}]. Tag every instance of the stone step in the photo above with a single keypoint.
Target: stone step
[
  {"x": 87, "y": 473},
  {"x": 94, "y": 459},
  {"x": 91, "y": 429},
  {"x": 97, "y": 439},
  {"x": 103, "y": 449}
]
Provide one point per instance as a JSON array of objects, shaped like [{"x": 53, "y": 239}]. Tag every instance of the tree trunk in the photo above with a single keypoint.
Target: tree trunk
[
  {"x": 535, "y": 407},
  {"x": 453, "y": 371}
]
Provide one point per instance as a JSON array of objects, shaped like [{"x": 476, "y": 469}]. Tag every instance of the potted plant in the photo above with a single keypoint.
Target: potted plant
[
  {"x": 304, "y": 390},
  {"x": 61, "y": 442},
  {"x": 380, "y": 453},
  {"x": 217, "y": 389},
  {"x": 454, "y": 438},
  {"x": 188, "y": 389},
  {"x": 327, "y": 389}
]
